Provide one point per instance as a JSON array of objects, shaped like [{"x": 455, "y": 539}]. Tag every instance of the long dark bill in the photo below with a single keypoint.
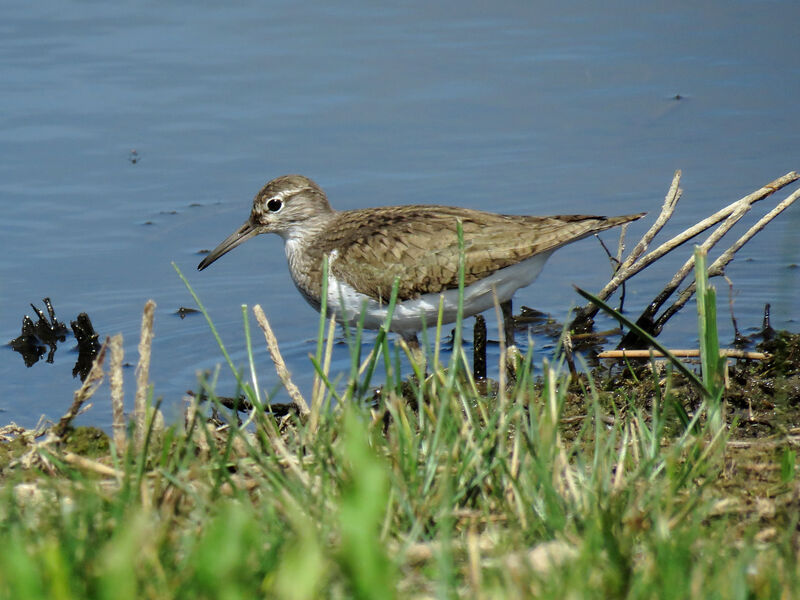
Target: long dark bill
[{"x": 241, "y": 235}]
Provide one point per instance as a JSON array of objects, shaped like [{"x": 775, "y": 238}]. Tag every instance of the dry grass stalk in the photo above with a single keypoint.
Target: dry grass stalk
[
  {"x": 117, "y": 393},
  {"x": 474, "y": 559},
  {"x": 280, "y": 365},
  {"x": 90, "y": 385},
  {"x": 143, "y": 373}
]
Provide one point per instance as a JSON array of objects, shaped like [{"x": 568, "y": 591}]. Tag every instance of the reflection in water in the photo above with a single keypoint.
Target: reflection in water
[{"x": 36, "y": 338}]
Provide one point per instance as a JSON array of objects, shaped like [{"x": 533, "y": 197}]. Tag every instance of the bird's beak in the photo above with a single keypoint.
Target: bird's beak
[{"x": 244, "y": 233}]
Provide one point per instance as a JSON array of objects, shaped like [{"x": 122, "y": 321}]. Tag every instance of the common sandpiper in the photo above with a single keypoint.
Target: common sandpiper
[{"x": 417, "y": 245}]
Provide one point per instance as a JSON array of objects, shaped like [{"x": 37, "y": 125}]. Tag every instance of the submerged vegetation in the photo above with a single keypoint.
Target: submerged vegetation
[{"x": 642, "y": 482}]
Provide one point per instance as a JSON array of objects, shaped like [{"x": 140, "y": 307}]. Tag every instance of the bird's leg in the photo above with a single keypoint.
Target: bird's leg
[
  {"x": 508, "y": 322},
  {"x": 479, "y": 348},
  {"x": 411, "y": 340},
  {"x": 415, "y": 350}
]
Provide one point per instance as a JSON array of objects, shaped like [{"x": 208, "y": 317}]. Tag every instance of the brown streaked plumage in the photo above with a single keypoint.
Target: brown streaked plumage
[{"x": 369, "y": 248}]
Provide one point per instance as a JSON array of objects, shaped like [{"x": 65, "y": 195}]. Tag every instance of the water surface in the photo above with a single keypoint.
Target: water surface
[{"x": 518, "y": 108}]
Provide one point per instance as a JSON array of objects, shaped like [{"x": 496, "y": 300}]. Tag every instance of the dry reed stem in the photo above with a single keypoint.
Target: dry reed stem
[
  {"x": 81, "y": 395},
  {"x": 94, "y": 466},
  {"x": 670, "y": 202},
  {"x": 743, "y": 204},
  {"x": 717, "y": 268},
  {"x": 143, "y": 374},
  {"x": 687, "y": 353},
  {"x": 623, "y": 232},
  {"x": 280, "y": 365},
  {"x": 688, "y": 266},
  {"x": 633, "y": 264},
  {"x": 117, "y": 393}
]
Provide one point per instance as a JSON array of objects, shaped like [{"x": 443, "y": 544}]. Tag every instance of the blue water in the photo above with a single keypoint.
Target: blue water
[{"x": 519, "y": 108}]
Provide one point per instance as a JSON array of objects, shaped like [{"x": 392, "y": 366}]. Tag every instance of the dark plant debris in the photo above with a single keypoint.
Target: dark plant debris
[
  {"x": 45, "y": 334},
  {"x": 88, "y": 345}
]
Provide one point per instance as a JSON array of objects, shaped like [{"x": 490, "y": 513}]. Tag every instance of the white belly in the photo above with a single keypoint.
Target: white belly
[{"x": 410, "y": 315}]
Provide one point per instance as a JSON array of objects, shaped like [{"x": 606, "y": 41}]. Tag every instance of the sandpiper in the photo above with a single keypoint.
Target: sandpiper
[{"x": 367, "y": 249}]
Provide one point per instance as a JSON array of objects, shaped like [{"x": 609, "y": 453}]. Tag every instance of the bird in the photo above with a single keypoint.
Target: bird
[{"x": 415, "y": 245}]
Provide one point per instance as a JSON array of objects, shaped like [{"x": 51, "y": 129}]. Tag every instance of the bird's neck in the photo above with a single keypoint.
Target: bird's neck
[
  {"x": 305, "y": 255},
  {"x": 303, "y": 232}
]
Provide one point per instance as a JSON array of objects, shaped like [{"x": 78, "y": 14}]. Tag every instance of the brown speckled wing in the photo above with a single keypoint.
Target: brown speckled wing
[{"x": 419, "y": 244}]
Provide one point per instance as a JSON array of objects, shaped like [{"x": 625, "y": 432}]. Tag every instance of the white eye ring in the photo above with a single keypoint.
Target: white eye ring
[{"x": 274, "y": 205}]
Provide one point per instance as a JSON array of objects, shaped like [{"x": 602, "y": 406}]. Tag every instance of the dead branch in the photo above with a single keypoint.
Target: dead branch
[
  {"x": 731, "y": 213},
  {"x": 637, "y": 260},
  {"x": 627, "y": 267},
  {"x": 717, "y": 268},
  {"x": 687, "y": 267}
]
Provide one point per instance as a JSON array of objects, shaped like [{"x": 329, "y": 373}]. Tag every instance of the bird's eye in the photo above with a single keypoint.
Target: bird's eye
[{"x": 274, "y": 205}]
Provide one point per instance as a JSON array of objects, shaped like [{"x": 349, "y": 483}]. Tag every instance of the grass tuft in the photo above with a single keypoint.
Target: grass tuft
[{"x": 574, "y": 489}]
